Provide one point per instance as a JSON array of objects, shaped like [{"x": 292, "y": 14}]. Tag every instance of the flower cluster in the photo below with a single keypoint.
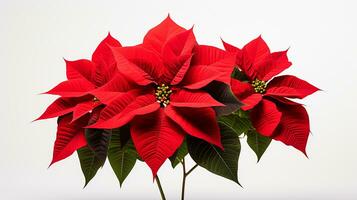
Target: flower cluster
[{"x": 169, "y": 97}]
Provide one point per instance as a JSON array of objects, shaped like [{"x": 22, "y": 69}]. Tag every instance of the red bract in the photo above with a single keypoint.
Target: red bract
[
  {"x": 272, "y": 114},
  {"x": 76, "y": 104},
  {"x": 159, "y": 91}
]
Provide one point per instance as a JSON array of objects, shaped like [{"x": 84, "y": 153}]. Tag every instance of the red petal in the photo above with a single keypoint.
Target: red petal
[
  {"x": 147, "y": 60},
  {"x": 179, "y": 45},
  {"x": 105, "y": 62},
  {"x": 294, "y": 127},
  {"x": 245, "y": 93},
  {"x": 83, "y": 108},
  {"x": 278, "y": 62},
  {"x": 70, "y": 137},
  {"x": 194, "y": 99},
  {"x": 198, "y": 122},
  {"x": 119, "y": 84},
  {"x": 178, "y": 72},
  {"x": 199, "y": 76},
  {"x": 232, "y": 49},
  {"x": 80, "y": 69},
  {"x": 290, "y": 86},
  {"x": 283, "y": 100},
  {"x": 251, "y": 101},
  {"x": 103, "y": 52},
  {"x": 142, "y": 75},
  {"x": 59, "y": 107},
  {"x": 177, "y": 54},
  {"x": 156, "y": 138},
  {"x": 157, "y": 36},
  {"x": 241, "y": 89},
  {"x": 215, "y": 59},
  {"x": 255, "y": 54},
  {"x": 72, "y": 88},
  {"x": 265, "y": 117},
  {"x": 125, "y": 108}
]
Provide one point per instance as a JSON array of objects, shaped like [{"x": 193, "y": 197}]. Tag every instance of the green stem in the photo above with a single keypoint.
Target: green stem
[
  {"x": 185, "y": 174},
  {"x": 189, "y": 171},
  {"x": 183, "y": 179},
  {"x": 160, "y": 188}
]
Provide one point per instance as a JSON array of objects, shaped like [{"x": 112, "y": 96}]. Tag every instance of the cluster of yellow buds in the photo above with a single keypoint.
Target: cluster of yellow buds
[
  {"x": 163, "y": 93},
  {"x": 259, "y": 86}
]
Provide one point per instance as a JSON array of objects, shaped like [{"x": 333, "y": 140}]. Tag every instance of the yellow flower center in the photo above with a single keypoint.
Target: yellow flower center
[
  {"x": 163, "y": 93},
  {"x": 259, "y": 86}
]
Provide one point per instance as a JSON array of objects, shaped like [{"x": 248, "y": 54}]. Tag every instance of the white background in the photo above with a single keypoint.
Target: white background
[{"x": 321, "y": 35}]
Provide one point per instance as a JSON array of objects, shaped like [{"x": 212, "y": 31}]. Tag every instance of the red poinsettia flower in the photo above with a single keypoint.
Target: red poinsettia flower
[
  {"x": 272, "y": 114},
  {"x": 158, "y": 90},
  {"x": 76, "y": 104}
]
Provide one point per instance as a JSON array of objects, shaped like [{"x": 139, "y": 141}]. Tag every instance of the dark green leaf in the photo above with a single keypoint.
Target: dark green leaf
[
  {"x": 236, "y": 123},
  {"x": 122, "y": 158},
  {"x": 223, "y": 93},
  {"x": 258, "y": 143},
  {"x": 90, "y": 163},
  {"x": 179, "y": 154},
  {"x": 221, "y": 162},
  {"x": 98, "y": 141},
  {"x": 239, "y": 75}
]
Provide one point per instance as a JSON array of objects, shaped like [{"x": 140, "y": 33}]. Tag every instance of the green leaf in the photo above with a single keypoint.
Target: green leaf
[
  {"x": 239, "y": 75},
  {"x": 122, "y": 157},
  {"x": 236, "y": 123},
  {"x": 223, "y": 93},
  {"x": 180, "y": 153},
  {"x": 90, "y": 163},
  {"x": 98, "y": 141},
  {"x": 221, "y": 162},
  {"x": 258, "y": 143}
]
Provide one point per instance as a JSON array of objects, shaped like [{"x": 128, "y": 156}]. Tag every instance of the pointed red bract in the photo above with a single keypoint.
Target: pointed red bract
[
  {"x": 59, "y": 107},
  {"x": 103, "y": 53},
  {"x": 158, "y": 36},
  {"x": 105, "y": 63},
  {"x": 83, "y": 108},
  {"x": 278, "y": 63},
  {"x": 245, "y": 93},
  {"x": 80, "y": 69},
  {"x": 72, "y": 88},
  {"x": 125, "y": 108},
  {"x": 177, "y": 71},
  {"x": 198, "y": 122},
  {"x": 156, "y": 137},
  {"x": 215, "y": 59},
  {"x": 131, "y": 70},
  {"x": 70, "y": 137},
  {"x": 265, "y": 117},
  {"x": 294, "y": 127},
  {"x": 193, "y": 99},
  {"x": 206, "y": 75},
  {"x": 290, "y": 86}
]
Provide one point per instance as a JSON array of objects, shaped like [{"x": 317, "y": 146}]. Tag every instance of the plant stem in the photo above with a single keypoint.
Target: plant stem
[
  {"x": 185, "y": 174},
  {"x": 160, "y": 188},
  {"x": 189, "y": 171},
  {"x": 183, "y": 179}
]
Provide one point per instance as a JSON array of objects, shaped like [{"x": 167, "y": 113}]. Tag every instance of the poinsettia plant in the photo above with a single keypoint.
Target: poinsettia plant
[{"x": 170, "y": 97}]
